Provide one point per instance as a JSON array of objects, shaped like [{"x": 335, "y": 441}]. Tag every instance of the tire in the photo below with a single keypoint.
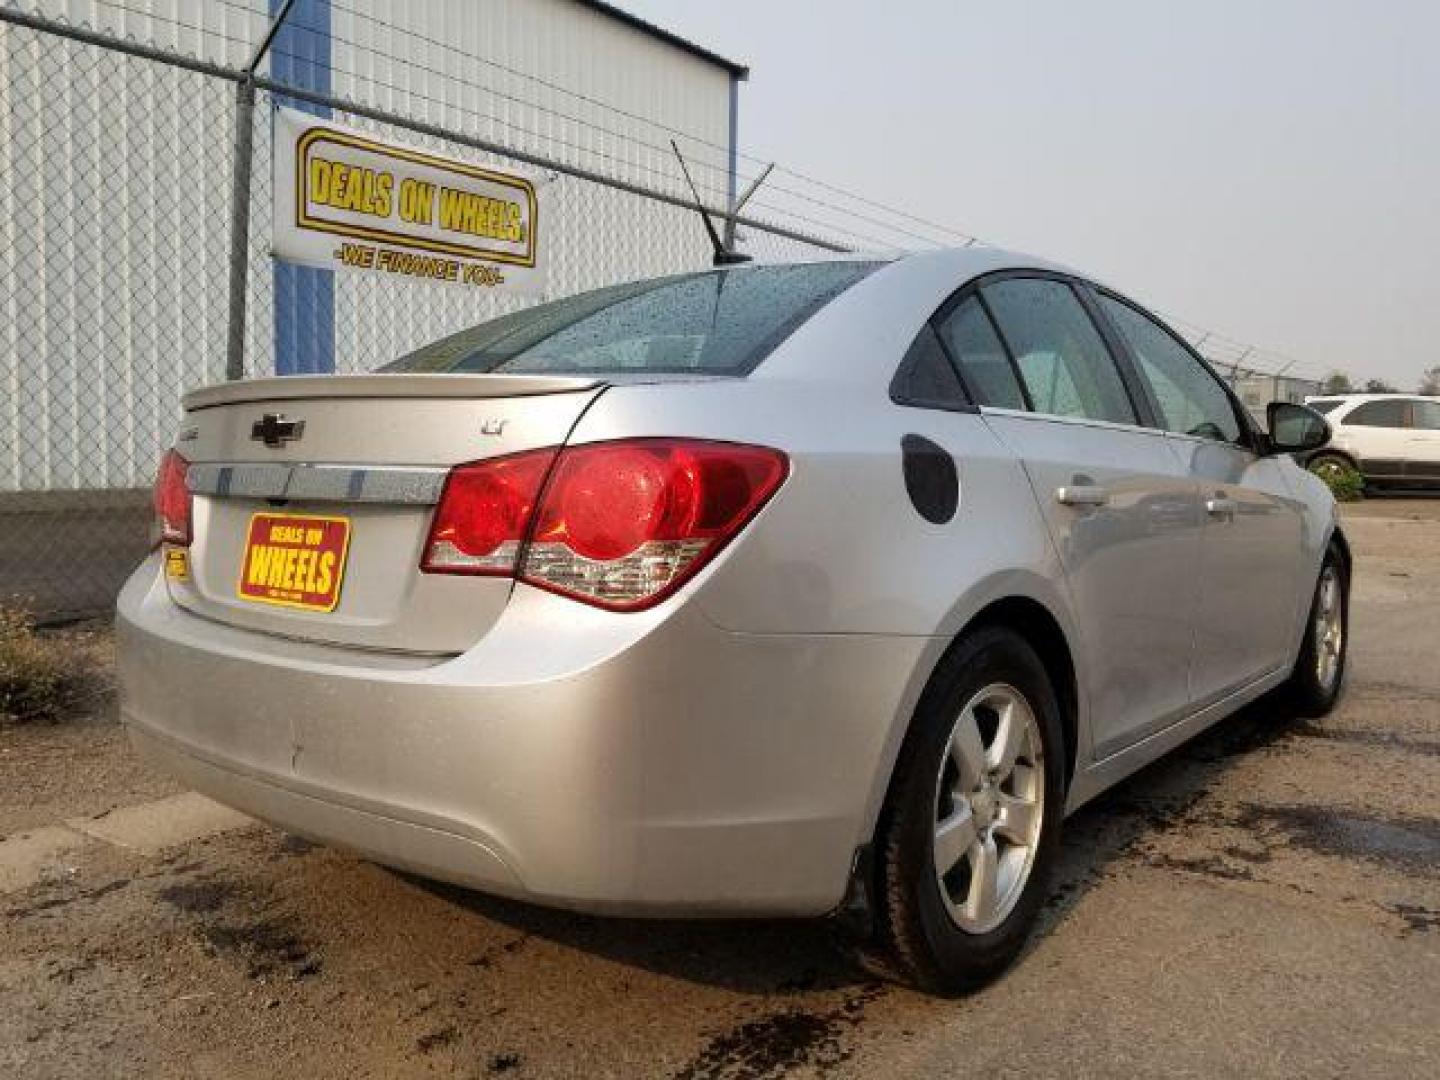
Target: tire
[
  {"x": 1314, "y": 687},
  {"x": 938, "y": 934}
]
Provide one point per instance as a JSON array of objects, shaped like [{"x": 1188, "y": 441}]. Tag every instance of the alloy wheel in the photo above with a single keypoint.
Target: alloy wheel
[
  {"x": 989, "y": 808},
  {"x": 1329, "y": 629}
]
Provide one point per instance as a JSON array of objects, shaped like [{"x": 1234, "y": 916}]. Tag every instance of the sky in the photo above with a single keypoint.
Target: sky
[{"x": 1269, "y": 169}]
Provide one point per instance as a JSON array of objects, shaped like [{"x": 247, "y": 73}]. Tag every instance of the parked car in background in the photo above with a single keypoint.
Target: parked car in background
[
  {"x": 769, "y": 590},
  {"x": 1389, "y": 439}
]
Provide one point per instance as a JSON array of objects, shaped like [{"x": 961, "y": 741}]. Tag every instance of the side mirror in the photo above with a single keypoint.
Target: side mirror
[{"x": 1294, "y": 429}]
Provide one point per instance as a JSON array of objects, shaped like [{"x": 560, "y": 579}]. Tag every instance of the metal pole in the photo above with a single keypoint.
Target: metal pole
[
  {"x": 240, "y": 201},
  {"x": 240, "y": 228},
  {"x": 734, "y": 161}
]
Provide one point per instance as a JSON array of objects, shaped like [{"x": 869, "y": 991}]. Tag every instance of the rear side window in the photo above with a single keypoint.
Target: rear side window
[
  {"x": 723, "y": 322},
  {"x": 925, "y": 378},
  {"x": 1191, "y": 400},
  {"x": 1323, "y": 407},
  {"x": 1377, "y": 414},
  {"x": 1427, "y": 415},
  {"x": 971, "y": 339},
  {"x": 1065, "y": 365}
]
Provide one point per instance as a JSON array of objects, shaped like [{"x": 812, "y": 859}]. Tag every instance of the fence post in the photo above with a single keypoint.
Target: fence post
[
  {"x": 240, "y": 201},
  {"x": 240, "y": 227}
]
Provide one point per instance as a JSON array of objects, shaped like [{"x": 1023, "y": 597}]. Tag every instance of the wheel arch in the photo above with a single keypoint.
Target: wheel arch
[{"x": 1334, "y": 451}]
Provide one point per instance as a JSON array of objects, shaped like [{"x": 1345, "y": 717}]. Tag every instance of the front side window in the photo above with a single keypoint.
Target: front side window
[
  {"x": 1066, "y": 367},
  {"x": 1377, "y": 414},
  {"x": 1191, "y": 400},
  {"x": 723, "y": 322}
]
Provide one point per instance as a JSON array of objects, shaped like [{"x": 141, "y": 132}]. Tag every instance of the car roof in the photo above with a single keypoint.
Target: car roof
[
  {"x": 882, "y": 313},
  {"x": 958, "y": 262}
]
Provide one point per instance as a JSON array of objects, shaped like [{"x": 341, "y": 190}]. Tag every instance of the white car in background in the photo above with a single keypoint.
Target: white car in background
[{"x": 1387, "y": 438}]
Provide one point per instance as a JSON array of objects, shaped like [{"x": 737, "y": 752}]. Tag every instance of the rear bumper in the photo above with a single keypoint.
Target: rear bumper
[{"x": 648, "y": 763}]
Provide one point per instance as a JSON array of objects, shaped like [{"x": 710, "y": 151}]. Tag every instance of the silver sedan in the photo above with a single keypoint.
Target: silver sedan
[{"x": 783, "y": 590}]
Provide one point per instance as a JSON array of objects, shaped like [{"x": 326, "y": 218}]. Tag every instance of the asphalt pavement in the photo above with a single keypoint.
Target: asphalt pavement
[{"x": 1265, "y": 902}]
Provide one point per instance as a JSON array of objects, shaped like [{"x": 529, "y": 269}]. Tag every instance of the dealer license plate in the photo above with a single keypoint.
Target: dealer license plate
[{"x": 294, "y": 560}]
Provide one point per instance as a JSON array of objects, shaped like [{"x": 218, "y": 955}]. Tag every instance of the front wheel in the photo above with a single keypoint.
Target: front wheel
[
  {"x": 1319, "y": 673},
  {"x": 972, "y": 820}
]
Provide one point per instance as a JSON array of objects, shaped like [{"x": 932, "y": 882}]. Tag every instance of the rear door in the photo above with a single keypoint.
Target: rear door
[
  {"x": 1423, "y": 459},
  {"x": 1122, "y": 513},
  {"x": 1250, "y": 570}
]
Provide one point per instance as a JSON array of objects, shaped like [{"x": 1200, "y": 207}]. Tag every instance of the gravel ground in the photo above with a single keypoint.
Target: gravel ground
[{"x": 1264, "y": 902}]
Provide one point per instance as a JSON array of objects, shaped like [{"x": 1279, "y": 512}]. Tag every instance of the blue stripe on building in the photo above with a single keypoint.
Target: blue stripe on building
[{"x": 304, "y": 295}]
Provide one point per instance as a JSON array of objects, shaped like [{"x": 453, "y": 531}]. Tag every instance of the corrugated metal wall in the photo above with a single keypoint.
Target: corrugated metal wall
[
  {"x": 92, "y": 196},
  {"x": 114, "y": 201}
]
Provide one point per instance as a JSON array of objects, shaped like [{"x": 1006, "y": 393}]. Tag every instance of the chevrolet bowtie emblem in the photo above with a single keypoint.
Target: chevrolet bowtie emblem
[{"x": 274, "y": 430}]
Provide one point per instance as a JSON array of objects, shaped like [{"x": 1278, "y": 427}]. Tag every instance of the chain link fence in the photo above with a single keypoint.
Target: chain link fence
[{"x": 117, "y": 160}]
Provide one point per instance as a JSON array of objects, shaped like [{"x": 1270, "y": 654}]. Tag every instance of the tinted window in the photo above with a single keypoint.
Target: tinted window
[
  {"x": 971, "y": 338},
  {"x": 723, "y": 323},
  {"x": 1377, "y": 414},
  {"x": 1426, "y": 415},
  {"x": 925, "y": 377},
  {"x": 1067, "y": 369},
  {"x": 1191, "y": 400},
  {"x": 1323, "y": 407}
]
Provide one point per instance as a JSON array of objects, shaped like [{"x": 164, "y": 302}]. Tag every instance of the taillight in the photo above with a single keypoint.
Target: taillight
[
  {"x": 172, "y": 500},
  {"x": 619, "y": 524},
  {"x": 622, "y": 524},
  {"x": 484, "y": 514}
]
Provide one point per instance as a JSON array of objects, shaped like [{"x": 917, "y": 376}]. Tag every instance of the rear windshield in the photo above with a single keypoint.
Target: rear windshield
[
  {"x": 1325, "y": 406},
  {"x": 722, "y": 322}
]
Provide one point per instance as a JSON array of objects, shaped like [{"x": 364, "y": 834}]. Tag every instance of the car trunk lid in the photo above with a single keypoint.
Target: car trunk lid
[{"x": 313, "y": 498}]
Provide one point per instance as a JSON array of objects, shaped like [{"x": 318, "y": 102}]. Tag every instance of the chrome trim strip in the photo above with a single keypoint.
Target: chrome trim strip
[{"x": 397, "y": 485}]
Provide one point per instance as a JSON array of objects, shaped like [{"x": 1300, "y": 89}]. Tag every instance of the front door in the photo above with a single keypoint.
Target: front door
[{"x": 1249, "y": 570}]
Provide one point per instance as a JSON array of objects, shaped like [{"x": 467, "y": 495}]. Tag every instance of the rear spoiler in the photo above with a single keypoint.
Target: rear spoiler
[{"x": 398, "y": 385}]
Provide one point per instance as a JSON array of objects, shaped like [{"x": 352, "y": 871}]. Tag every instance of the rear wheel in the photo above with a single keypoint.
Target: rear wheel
[
  {"x": 1319, "y": 671},
  {"x": 972, "y": 820}
]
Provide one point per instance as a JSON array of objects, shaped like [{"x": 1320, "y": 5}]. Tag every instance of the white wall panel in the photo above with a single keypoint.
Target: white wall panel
[{"x": 114, "y": 196}]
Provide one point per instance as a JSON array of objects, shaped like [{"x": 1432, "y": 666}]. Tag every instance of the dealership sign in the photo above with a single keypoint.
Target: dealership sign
[{"x": 345, "y": 199}]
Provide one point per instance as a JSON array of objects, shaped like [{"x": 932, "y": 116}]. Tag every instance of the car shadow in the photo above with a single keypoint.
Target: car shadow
[{"x": 802, "y": 956}]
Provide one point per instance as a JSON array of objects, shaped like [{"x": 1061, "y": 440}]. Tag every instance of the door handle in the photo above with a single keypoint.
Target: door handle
[
  {"x": 1220, "y": 506},
  {"x": 1082, "y": 495}
]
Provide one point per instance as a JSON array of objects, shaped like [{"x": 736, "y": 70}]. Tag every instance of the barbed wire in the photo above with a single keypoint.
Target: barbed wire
[{"x": 659, "y": 125}]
